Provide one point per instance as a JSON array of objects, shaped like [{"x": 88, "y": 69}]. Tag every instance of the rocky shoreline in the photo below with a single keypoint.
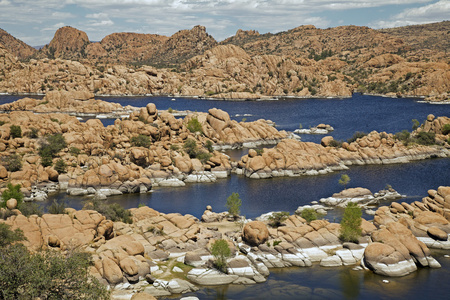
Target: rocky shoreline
[{"x": 164, "y": 254}]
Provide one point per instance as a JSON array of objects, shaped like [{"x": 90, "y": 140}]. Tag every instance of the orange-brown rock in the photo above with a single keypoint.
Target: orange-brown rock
[{"x": 255, "y": 233}]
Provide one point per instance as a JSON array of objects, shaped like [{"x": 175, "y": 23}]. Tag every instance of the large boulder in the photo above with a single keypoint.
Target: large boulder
[{"x": 255, "y": 233}]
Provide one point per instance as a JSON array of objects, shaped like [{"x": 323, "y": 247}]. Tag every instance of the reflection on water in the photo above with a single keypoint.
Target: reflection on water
[{"x": 338, "y": 283}]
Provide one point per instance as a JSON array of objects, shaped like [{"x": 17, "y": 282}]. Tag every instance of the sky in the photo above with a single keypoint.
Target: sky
[{"x": 35, "y": 21}]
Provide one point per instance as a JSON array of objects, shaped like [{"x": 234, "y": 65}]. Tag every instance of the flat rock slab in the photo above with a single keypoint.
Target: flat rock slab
[{"x": 210, "y": 277}]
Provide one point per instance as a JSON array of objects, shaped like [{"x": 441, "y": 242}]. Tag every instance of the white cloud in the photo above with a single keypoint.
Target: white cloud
[{"x": 435, "y": 12}]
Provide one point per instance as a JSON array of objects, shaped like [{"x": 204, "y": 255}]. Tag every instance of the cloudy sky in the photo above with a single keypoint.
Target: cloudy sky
[{"x": 35, "y": 21}]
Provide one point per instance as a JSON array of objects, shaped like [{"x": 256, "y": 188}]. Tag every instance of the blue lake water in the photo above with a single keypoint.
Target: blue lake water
[{"x": 358, "y": 113}]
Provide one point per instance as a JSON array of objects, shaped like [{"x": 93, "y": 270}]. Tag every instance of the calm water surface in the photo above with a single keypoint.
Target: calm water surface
[{"x": 359, "y": 113}]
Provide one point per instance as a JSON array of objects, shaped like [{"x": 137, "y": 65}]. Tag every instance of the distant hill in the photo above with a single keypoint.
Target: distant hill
[
  {"x": 435, "y": 36},
  {"x": 16, "y": 46}
]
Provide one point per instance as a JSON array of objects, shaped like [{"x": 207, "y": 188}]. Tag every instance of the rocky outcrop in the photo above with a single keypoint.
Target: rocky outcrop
[
  {"x": 362, "y": 196},
  {"x": 395, "y": 252},
  {"x": 294, "y": 158},
  {"x": 15, "y": 46},
  {"x": 302, "y": 62},
  {"x": 68, "y": 43}
]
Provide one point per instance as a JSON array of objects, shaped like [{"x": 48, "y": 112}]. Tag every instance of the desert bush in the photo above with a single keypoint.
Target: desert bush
[
  {"x": 426, "y": 138},
  {"x": 16, "y": 131},
  {"x": 209, "y": 146},
  {"x": 12, "y": 163},
  {"x": 277, "y": 218},
  {"x": 33, "y": 133},
  {"x": 57, "y": 207},
  {"x": 233, "y": 204},
  {"x": 190, "y": 147},
  {"x": 31, "y": 208},
  {"x": 309, "y": 214},
  {"x": 356, "y": 135},
  {"x": 335, "y": 143},
  {"x": 446, "y": 129},
  {"x": 113, "y": 212},
  {"x": 74, "y": 151},
  {"x": 344, "y": 180},
  {"x": 221, "y": 251},
  {"x": 415, "y": 123},
  {"x": 351, "y": 223},
  {"x": 12, "y": 191},
  {"x": 50, "y": 147},
  {"x": 203, "y": 156},
  {"x": 141, "y": 141},
  {"x": 194, "y": 125},
  {"x": 44, "y": 275},
  {"x": 403, "y": 136},
  {"x": 60, "y": 166}
]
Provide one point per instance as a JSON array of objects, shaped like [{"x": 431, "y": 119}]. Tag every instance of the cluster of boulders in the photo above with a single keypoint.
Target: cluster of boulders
[
  {"x": 78, "y": 103},
  {"x": 362, "y": 196},
  {"x": 112, "y": 160},
  {"x": 294, "y": 158},
  {"x": 146, "y": 255},
  {"x": 319, "y": 129}
]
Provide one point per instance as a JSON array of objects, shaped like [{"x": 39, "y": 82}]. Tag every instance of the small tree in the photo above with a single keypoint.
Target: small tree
[
  {"x": 415, "y": 123},
  {"x": 16, "y": 131},
  {"x": 344, "y": 180},
  {"x": 8, "y": 236},
  {"x": 141, "y": 141},
  {"x": 309, "y": 214},
  {"x": 194, "y": 125},
  {"x": 60, "y": 166},
  {"x": 221, "y": 251},
  {"x": 190, "y": 146},
  {"x": 277, "y": 218},
  {"x": 351, "y": 223},
  {"x": 234, "y": 205},
  {"x": 12, "y": 191},
  {"x": 12, "y": 163}
]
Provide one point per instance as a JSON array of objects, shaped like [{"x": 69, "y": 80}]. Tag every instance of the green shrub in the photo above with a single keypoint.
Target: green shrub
[
  {"x": 194, "y": 125},
  {"x": 60, "y": 166},
  {"x": 190, "y": 146},
  {"x": 415, "y": 123},
  {"x": 277, "y": 218},
  {"x": 403, "y": 136},
  {"x": 259, "y": 151},
  {"x": 356, "y": 135},
  {"x": 58, "y": 207},
  {"x": 174, "y": 147},
  {"x": 16, "y": 131},
  {"x": 203, "y": 156},
  {"x": 221, "y": 251},
  {"x": 33, "y": 133},
  {"x": 8, "y": 237},
  {"x": 2, "y": 123},
  {"x": 209, "y": 146},
  {"x": 426, "y": 138},
  {"x": 336, "y": 144},
  {"x": 12, "y": 191},
  {"x": 12, "y": 163},
  {"x": 351, "y": 223},
  {"x": 234, "y": 205},
  {"x": 50, "y": 147},
  {"x": 344, "y": 180},
  {"x": 141, "y": 141},
  {"x": 113, "y": 212},
  {"x": 446, "y": 129},
  {"x": 31, "y": 208},
  {"x": 309, "y": 214},
  {"x": 74, "y": 151},
  {"x": 45, "y": 275}
]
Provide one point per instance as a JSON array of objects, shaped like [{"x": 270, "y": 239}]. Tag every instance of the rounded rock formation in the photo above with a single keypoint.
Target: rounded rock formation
[{"x": 255, "y": 233}]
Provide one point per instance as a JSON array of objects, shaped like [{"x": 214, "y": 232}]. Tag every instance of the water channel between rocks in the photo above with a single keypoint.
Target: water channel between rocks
[{"x": 359, "y": 113}]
